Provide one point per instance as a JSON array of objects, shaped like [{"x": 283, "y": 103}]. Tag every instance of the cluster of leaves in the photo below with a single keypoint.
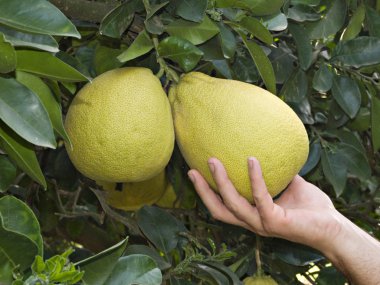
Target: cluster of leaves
[{"x": 321, "y": 57}]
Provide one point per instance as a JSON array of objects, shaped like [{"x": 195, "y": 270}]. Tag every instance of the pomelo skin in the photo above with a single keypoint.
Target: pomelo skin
[
  {"x": 121, "y": 127},
  {"x": 233, "y": 120}
]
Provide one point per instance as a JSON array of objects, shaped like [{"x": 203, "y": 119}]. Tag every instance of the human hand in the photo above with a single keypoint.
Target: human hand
[{"x": 303, "y": 213}]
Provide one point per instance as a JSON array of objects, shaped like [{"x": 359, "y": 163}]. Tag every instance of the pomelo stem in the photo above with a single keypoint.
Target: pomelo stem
[{"x": 259, "y": 271}]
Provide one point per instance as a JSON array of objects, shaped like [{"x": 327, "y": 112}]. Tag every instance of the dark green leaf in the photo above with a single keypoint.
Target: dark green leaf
[
  {"x": 373, "y": 21},
  {"x": 275, "y": 23},
  {"x": 212, "y": 275},
  {"x": 22, "y": 153},
  {"x": 106, "y": 59},
  {"x": 99, "y": 267},
  {"x": 262, "y": 63},
  {"x": 180, "y": 51},
  {"x": 154, "y": 25},
  {"x": 146, "y": 250},
  {"x": 282, "y": 60},
  {"x": 323, "y": 79},
  {"x": 222, "y": 67},
  {"x": 330, "y": 23},
  {"x": 6, "y": 268},
  {"x": 257, "y": 29},
  {"x": 7, "y": 173},
  {"x": 7, "y": 56},
  {"x": 330, "y": 276},
  {"x": 47, "y": 65},
  {"x": 48, "y": 100},
  {"x": 153, "y": 9},
  {"x": 135, "y": 269},
  {"x": 375, "y": 122},
  {"x": 165, "y": 237},
  {"x": 355, "y": 25},
  {"x": 257, "y": 7},
  {"x": 358, "y": 52},
  {"x": 347, "y": 94},
  {"x": 356, "y": 161},
  {"x": 36, "y": 16},
  {"x": 335, "y": 169},
  {"x": 311, "y": 3},
  {"x": 313, "y": 158},
  {"x": 303, "y": 44},
  {"x": 22, "y": 110},
  {"x": 302, "y": 13},
  {"x": 23, "y": 39},
  {"x": 140, "y": 46},
  {"x": 117, "y": 20},
  {"x": 227, "y": 40},
  {"x": 295, "y": 88},
  {"x": 196, "y": 33},
  {"x": 212, "y": 50},
  {"x": 244, "y": 68},
  {"x": 192, "y": 10},
  {"x": 362, "y": 120},
  {"x": 226, "y": 271}
]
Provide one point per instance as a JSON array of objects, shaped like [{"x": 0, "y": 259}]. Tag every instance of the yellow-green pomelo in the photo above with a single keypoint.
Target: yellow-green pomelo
[
  {"x": 259, "y": 280},
  {"x": 232, "y": 120},
  {"x": 135, "y": 195},
  {"x": 121, "y": 127}
]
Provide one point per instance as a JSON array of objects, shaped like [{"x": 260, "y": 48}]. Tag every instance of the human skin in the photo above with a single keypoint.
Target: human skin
[{"x": 303, "y": 214}]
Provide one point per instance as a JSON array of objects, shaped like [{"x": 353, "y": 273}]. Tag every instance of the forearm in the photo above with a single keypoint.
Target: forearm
[{"x": 355, "y": 253}]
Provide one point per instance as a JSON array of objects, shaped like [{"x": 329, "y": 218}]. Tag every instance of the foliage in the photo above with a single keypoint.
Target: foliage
[{"x": 321, "y": 57}]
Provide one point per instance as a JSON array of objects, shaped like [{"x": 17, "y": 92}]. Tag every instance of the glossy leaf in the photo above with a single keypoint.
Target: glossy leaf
[
  {"x": 196, "y": 33},
  {"x": 331, "y": 22},
  {"x": 222, "y": 67},
  {"x": 47, "y": 65},
  {"x": 312, "y": 159},
  {"x": 356, "y": 161},
  {"x": 262, "y": 62},
  {"x": 296, "y": 87},
  {"x": 24, "y": 39},
  {"x": 257, "y": 7},
  {"x": 22, "y": 153},
  {"x": 244, "y": 68},
  {"x": 7, "y": 173},
  {"x": 323, "y": 79},
  {"x": 99, "y": 267},
  {"x": 47, "y": 99},
  {"x": 165, "y": 237},
  {"x": 135, "y": 269},
  {"x": 373, "y": 21},
  {"x": 375, "y": 122},
  {"x": 117, "y": 20},
  {"x": 257, "y": 29},
  {"x": 303, "y": 44},
  {"x": 276, "y": 23},
  {"x": 146, "y": 250},
  {"x": 334, "y": 169},
  {"x": 357, "y": 52},
  {"x": 180, "y": 51},
  {"x": 302, "y": 13},
  {"x": 7, "y": 56},
  {"x": 347, "y": 94},
  {"x": 140, "y": 46},
  {"x": 227, "y": 40},
  {"x": 355, "y": 25},
  {"x": 106, "y": 59},
  {"x": 192, "y": 10},
  {"x": 36, "y": 16},
  {"x": 22, "y": 110},
  {"x": 153, "y": 9},
  {"x": 283, "y": 62}
]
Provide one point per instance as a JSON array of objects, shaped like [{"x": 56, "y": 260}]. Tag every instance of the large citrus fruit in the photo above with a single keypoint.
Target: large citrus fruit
[{"x": 259, "y": 280}]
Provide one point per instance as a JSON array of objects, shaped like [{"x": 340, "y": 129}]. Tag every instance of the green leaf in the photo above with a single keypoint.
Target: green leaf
[
  {"x": 6, "y": 268},
  {"x": 323, "y": 79},
  {"x": 356, "y": 161},
  {"x": 99, "y": 267},
  {"x": 331, "y": 22},
  {"x": 311, "y": 3},
  {"x": 357, "y": 52},
  {"x": 257, "y": 7},
  {"x": 196, "y": 33},
  {"x": 222, "y": 66},
  {"x": 7, "y": 56},
  {"x": 106, "y": 59},
  {"x": 22, "y": 110},
  {"x": 38, "y": 265},
  {"x": 18, "y": 239},
  {"x": 153, "y": 9},
  {"x": 362, "y": 120},
  {"x": 227, "y": 40},
  {"x": 312, "y": 159},
  {"x": 154, "y": 25},
  {"x": 355, "y": 25},
  {"x": 22, "y": 153},
  {"x": 7, "y": 173},
  {"x": 303, "y": 44},
  {"x": 118, "y": 20},
  {"x": 262, "y": 62},
  {"x": 135, "y": 269},
  {"x": 47, "y": 65},
  {"x": 302, "y": 13},
  {"x": 212, "y": 275},
  {"x": 146, "y": 250},
  {"x": 226, "y": 271},
  {"x": 295, "y": 88},
  {"x": 165, "y": 237},
  {"x": 347, "y": 94},
  {"x": 23, "y": 39},
  {"x": 335, "y": 169},
  {"x": 330, "y": 276},
  {"x": 373, "y": 22},
  {"x": 275, "y": 23},
  {"x": 283, "y": 62},
  {"x": 180, "y": 51},
  {"x": 257, "y": 29},
  {"x": 140, "y": 46},
  {"x": 36, "y": 16},
  {"x": 375, "y": 122},
  {"x": 192, "y": 10},
  {"x": 48, "y": 100},
  {"x": 244, "y": 68}
]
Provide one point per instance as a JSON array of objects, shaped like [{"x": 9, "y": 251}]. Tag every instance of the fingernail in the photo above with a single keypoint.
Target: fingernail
[
  {"x": 250, "y": 162},
  {"x": 211, "y": 166},
  {"x": 191, "y": 176}
]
